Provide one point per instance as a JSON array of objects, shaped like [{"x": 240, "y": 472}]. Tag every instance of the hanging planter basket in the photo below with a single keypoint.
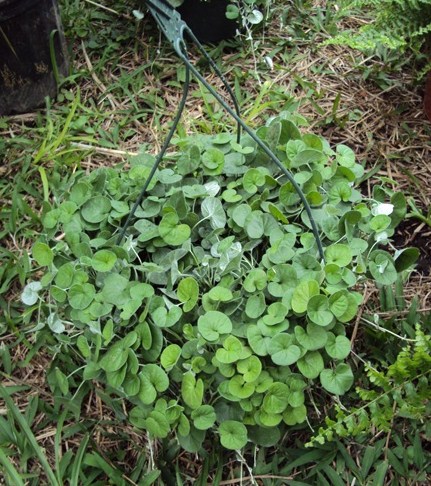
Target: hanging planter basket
[
  {"x": 32, "y": 54},
  {"x": 208, "y": 20}
]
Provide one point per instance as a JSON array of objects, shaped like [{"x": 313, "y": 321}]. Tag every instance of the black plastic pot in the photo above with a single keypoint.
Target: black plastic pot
[
  {"x": 30, "y": 30},
  {"x": 207, "y": 19}
]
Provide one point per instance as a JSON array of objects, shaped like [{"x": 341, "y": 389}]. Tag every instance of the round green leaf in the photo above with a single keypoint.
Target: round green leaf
[
  {"x": 338, "y": 254},
  {"x": 212, "y": 209},
  {"x": 220, "y": 294},
  {"x": 250, "y": 368},
  {"x": 254, "y": 225},
  {"x": 115, "y": 289},
  {"x": 318, "y": 310},
  {"x": 30, "y": 294},
  {"x": 81, "y": 296},
  {"x": 232, "y": 12},
  {"x": 281, "y": 249},
  {"x": 337, "y": 381},
  {"x": 232, "y": 351},
  {"x": 42, "y": 253},
  {"x": 239, "y": 388},
  {"x": 157, "y": 424},
  {"x": 114, "y": 359},
  {"x": 343, "y": 305},
  {"x": 103, "y": 260},
  {"x": 213, "y": 161},
  {"x": 55, "y": 323},
  {"x": 170, "y": 356},
  {"x": 96, "y": 209},
  {"x": 311, "y": 365},
  {"x": 203, "y": 417},
  {"x": 264, "y": 436},
  {"x": 153, "y": 380},
  {"x": 192, "y": 442},
  {"x": 284, "y": 280},
  {"x": 233, "y": 434},
  {"x": 380, "y": 222},
  {"x": 337, "y": 347},
  {"x": 255, "y": 280},
  {"x": 255, "y": 305},
  {"x": 192, "y": 390},
  {"x": 345, "y": 156},
  {"x": 295, "y": 415},
  {"x": 64, "y": 277},
  {"x": 240, "y": 213},
  {"x": 172, "y": 232},
  {"x": 276, "y": 314},
  {"x": 231, "y": 196},
  {"x": 257, "y": 341},
  {"x": 276, "y": 398},
  {"x": 282, "y": 350},
  {"x": 313, "y": 338},
  {"x": 382, "y": 267},
  {"x": 268, "y": 419},
  {"x": 253, "y": 179},
  {"x": 132, "y": 385},
  {"x": 302, "y": 294},
  {"x": 58, "y": 294},
  {"x": 212, "y": 324},
  {"x": 164, "y": 318}
]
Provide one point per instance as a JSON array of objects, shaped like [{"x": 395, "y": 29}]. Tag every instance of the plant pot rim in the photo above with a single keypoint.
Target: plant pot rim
[{"x": 13, "y": 8}]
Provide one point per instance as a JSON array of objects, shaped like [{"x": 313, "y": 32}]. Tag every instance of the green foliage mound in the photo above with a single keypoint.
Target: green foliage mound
[{"x": 215, "y": 314}]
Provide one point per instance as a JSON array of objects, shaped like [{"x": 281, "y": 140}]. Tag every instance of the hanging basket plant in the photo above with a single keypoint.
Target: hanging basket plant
[{"x": 216, "y": 316}]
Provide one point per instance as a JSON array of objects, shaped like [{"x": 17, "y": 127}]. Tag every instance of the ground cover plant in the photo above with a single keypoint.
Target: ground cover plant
[
  {"x": 70, "y": 430},
  {"x": 218, "y": 293}
]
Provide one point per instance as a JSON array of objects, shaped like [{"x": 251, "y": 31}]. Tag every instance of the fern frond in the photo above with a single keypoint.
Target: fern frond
[
  {"x": 397, "y": 24},
  {"x": 402, "y": 390}
]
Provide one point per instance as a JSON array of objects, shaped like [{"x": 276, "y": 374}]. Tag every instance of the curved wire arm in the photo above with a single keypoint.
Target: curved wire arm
[
  {"x": 265, "y": 148},
  {"x": 174, "y": 28},
  {"x": 220, "y": 75}
]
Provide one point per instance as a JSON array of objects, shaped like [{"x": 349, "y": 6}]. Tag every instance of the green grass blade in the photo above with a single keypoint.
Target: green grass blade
[
  {"x": 11, "y": 472},
  {"x": 77, "y": 464},
  {"x": 29, "y": 435},
  {"x": 57, "y": 445},
  {"x": 380, "y": 474},
  {"x": 45, "y": 183}
]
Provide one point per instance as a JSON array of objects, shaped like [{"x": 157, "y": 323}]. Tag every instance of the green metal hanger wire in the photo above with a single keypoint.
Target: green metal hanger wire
[{"x": 174, "y": 28}]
